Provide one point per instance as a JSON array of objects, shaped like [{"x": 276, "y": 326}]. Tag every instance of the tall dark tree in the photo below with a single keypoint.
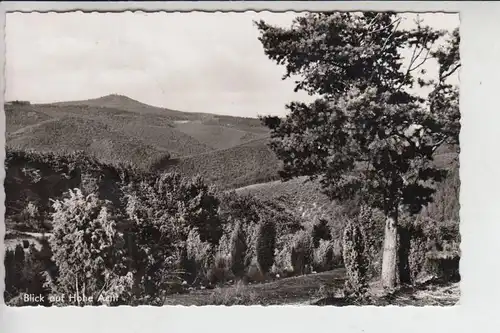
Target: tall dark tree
[{"x": 368, "y": 134}]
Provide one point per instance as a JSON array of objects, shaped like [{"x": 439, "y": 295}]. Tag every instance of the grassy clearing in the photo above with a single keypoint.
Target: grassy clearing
[
  {"x": 321, "y": 289},
  {"x": 297, "y": 190},
  {"x": 426, "y": 294},
  {"x": 217, "y": 136},
  {"x": 293, "y": 290}
]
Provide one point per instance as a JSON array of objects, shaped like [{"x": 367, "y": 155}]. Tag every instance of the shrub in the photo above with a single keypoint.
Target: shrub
[
  {"x": 435, "y": 236},
  {"x": 431, "y": 241},
  {"x": 302, "y": 252},
  {"x": 177, "y": 204},
  {"x": 14, "y": 264},
  {"x": 338, "y": 252},
  {"x": 38, "y": 177},
  {"x": 321, "y": 231},
  {"x": 238, "y": 250},
  {"x": 239, "y": 294},
  {"x": 417, "y": 254},
  {"x": 443, "y": 265},
  {"x": 254, "y": 273},
  {"x": 323, "y": 256},
  {"x": 25, "y": 274},
  {"x": 371, "y": 223},
  {"x": 283, "y": 256},
  {"x": 200, "y": 206},
  {"x": 200, "y": 255},
  {"x": 251, "y": 232},
  {"x": 266, "y": 243},
  {"x": 220, "y": 271},
  {"x": 355, "y": 259},
  {"x": 88, "y": 249},
  {"x": 31, "y": 217},
  {"x": 172, "y": 221},
  {"x": 17, "y": 300},
  {"x": 36, "y": 266}
]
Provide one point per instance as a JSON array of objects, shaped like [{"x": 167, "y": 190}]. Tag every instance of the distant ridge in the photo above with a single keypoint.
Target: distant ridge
[
  {"x": 117, "y": 127},
  {"x": 122, "y": 102}
]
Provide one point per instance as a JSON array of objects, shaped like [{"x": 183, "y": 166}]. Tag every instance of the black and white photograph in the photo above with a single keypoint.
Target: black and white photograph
[{"x": 232, "y": 158}]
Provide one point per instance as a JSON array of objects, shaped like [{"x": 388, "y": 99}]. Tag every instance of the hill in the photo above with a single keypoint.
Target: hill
[
  {"x": 175, "y": 132},
  {"x": 68, "y": 134},
  {"x": 217, "y": 136},
  {"x": 229, "y": 151},
  {"x": 297, "y": 190},
  {"x": 304, "y": 197},
  {"x": 19, "y": 116},
  {"x": 246, "y": 164},
  {"x": 124, "y": 103},
  {"x": 215, "y": 131}
]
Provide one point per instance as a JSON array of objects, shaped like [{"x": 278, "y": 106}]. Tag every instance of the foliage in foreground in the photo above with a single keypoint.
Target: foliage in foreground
[
  {"x": 89, "y": 251},
  {"x": 169, "y": 207},
  {"x": 368, "y": 135},
  {"x": 355, "y": 259}
]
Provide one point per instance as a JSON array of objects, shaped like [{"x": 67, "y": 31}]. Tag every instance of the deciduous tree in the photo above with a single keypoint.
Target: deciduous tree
[{"x": 368, "y": 135}]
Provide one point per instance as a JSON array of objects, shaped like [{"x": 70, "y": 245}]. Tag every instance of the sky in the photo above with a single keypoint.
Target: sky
[{"x": 195, "y": 62}]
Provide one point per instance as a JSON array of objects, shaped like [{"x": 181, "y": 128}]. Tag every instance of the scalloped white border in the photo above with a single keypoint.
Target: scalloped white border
[{"x": 480, "y": 216}]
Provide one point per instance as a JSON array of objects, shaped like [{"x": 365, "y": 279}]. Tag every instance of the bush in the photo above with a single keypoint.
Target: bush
[
  {"x": 200, "y": 255},
  {"x": 266, "y": 243},
  {"x": 283, "y": 256},
  {"x": 36, "y": 178},
  {"x": 338, "y": 252},
  {"x": 174, "y": 223},
  {"x": 238, "y": 250},
  {"x": 88, "y": 249},
  {"x": 254, "y": 273},
  {"x": 30, "y": 215},
  {"x": 355, "y": 259},
  {"x": 239, "y": 294},
  {"x": 199, "y": 204},
  {"x": 372, "y": 223},
  {"x": 220, "y": 272},
  {"x": 430, "y": 238},
  {"x": 302, "y": 253},
  {"x": 321, "y": 231},
  {"x": 443, "y": 265},
  {"x": 24, "y": 274},
  {"x": 417, "y": 254},
  {"x": 14, "y": 265},
  {"x": 435, "y": 235},
  {"x": 323, "y": 256}
]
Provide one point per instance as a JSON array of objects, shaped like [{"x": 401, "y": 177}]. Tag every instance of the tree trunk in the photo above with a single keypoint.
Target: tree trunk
[{"x": 390, "y": 254}]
